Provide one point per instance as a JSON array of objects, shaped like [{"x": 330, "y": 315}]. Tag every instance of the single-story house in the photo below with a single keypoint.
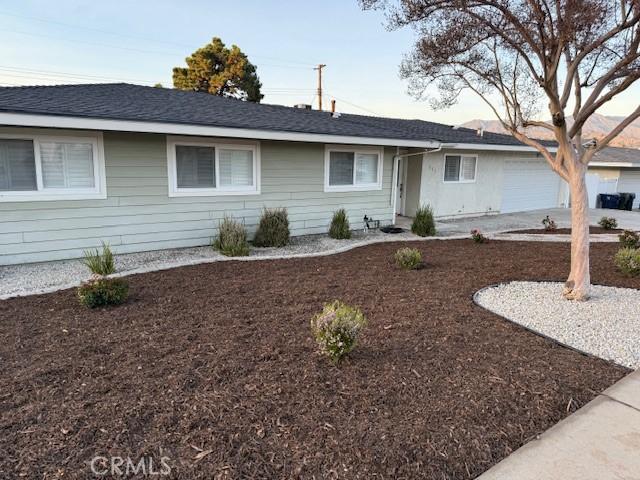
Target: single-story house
[
  {"x": 615, "y": 170},
  {"x": 152, "y": 168}
]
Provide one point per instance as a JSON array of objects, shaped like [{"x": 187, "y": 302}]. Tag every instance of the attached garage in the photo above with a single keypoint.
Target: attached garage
[
  {"x": 629, "y": 181},
  {"x": 529, "y": 184}
]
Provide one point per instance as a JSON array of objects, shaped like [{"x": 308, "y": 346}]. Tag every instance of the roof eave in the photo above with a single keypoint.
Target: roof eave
[{"x": 105, "y": 124}]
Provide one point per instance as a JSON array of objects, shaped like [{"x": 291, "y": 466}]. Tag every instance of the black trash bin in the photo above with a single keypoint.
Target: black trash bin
[
  {"x": 626, "y": 200},
  {"x": 609, "y": 200}
]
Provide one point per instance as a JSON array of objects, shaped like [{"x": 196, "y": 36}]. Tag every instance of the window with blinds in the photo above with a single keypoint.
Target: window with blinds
[
  {"x": 353, "y": 169},
  {"x": 17, "y": 166},
  {"x": 47, "y": 167},
  {"x": 211, "y": 169},
  {"x": 67, "y": 165},
  {"x": 236, "y": 168},
  {"x": 341, "y": 168},
  {"x": 195, "y": 166},
  {"x": 459, "y": 168}
]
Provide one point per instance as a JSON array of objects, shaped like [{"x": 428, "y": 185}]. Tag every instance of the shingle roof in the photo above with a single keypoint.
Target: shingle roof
[
  {"x": 122, "y": 101},
  {"x": 618, "y": 155}
]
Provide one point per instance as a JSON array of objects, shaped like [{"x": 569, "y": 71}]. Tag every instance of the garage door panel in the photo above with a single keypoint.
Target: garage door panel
[
  {"x": 629, "y": 181},
  {"x": 529, "y": 185}
]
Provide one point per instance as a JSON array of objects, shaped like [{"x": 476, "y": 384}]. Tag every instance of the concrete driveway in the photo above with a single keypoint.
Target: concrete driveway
[{"x": 532, "y": 219}]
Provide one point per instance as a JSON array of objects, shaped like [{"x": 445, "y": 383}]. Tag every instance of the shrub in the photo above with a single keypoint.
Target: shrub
[
  {"x": 340, "y": 225},
  {"x": 549, "y": 224},
  {"x": 423, "y": 223},
  {"x": 409, "y": 258},
  {"x": 100, "y": 292},
  {"x": 629, "y": 239},
  {"x": 100, "y": 263},
  {"x": 273, "y": 230},
  {"x": 336, "y": 329},
  {"x": 608, "y": 223},
  {"x": 628, "y": 261},
  {"x": 478, "y": 237},
  {"x": 232, "y": 238}
]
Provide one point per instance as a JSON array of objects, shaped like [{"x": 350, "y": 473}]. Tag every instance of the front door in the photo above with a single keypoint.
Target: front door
[{"x": 400, "y": 187}]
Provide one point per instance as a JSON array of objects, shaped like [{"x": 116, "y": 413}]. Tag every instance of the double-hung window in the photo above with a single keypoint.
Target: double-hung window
[
  {"x": 40, "y": 167},
  {"x": 460, "y": 168},
  {"x": 200, "y": 167},
  {"x": 353, "y": 168}
]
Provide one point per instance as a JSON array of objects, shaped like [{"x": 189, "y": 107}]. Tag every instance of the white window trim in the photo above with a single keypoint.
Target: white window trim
[
  {"x": 217, "y": 144},
  {"x": 355, "y": 150},
  {"x": 99, "y": 191},
  {"x": 444, "y": 168}
]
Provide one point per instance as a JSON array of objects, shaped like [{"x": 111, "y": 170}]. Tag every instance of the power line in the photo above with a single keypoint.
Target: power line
[
  {"x": 17, "y": 72},
  {"x": 353, "y": 104},
  {"x": 139, "y": 37}
]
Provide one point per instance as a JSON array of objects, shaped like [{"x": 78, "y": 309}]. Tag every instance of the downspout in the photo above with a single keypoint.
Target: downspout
[{"x": 396, "y": 163}]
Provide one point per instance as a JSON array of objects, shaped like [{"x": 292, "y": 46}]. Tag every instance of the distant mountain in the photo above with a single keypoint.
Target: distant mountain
[{"x": 596, "y": 127}]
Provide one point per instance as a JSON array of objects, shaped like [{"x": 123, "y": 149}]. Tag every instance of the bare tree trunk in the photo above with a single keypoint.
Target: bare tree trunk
[{"x": 579, "y": 282}]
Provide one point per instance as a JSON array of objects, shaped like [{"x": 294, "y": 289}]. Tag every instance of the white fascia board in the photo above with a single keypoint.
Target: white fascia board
[
  {"x": 86, "y": 123},
  {"x": 499, "y": 148},
  {"x": 613, "y": 164}
]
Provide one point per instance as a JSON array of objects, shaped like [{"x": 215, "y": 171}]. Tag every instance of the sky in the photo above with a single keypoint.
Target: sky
[{"x": 70, "y": 41}]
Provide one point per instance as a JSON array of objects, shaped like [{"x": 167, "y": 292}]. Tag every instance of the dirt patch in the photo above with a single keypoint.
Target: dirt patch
[
  {"x": 593, "y": 230},
  {"x": 213, "y": 367}
]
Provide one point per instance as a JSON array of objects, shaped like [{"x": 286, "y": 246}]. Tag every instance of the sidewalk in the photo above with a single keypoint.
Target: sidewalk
[{"x": 601, "y": 441}]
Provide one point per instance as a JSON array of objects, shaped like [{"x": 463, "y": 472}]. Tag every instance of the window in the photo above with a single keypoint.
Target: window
[
  {"x": 202, "y": 167},
  {"x": 51, "y": 168},
  {"x": 353, "y": 168},
  {"x": 460, "y": 168}
]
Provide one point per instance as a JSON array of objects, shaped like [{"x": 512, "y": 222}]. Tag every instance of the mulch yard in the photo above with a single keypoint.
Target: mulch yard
[
  {"x": 213, "y": 367},
  {"x": 593, "y": 230}
]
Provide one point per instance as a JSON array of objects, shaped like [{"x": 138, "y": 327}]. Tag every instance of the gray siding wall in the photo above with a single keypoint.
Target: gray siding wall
[{"x": 138, "y": 214}]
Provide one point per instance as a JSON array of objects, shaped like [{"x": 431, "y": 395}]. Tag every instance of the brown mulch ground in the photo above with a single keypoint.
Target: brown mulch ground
[
  {"x": 593, "y": 230},
  {"x": 213, "y": 366}
]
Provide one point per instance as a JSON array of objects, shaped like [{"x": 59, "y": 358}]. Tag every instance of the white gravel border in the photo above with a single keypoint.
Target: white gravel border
[
  {"x": 606, "y": 326},
  {"x": 37, "y": 278}
]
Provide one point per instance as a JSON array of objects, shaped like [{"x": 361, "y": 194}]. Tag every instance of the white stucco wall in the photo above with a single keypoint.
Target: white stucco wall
[{"x": 484, "y": 196}]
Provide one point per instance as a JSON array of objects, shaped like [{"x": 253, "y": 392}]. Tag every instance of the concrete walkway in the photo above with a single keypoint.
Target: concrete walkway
[{"x": 601, "y": 441}]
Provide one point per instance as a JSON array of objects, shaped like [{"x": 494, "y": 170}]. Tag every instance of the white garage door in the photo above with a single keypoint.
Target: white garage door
[
  {"x": 629, "y": 181},
  {"x": 529, "y": 185}
]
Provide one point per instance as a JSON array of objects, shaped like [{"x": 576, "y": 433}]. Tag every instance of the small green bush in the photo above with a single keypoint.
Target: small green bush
[
  {"x": 273, "y": 230},
  {"x": 423, "y": 223},
  {"x": 102, "y": 292},
  {"x": 409, "y": 258},
  {"x": 629, "y": 239},
  {"x": 628, "y": 261},
  {"x": 232, "y": 238},
  {"x": 100, "y": 263},
  {"x": 339, "y": 228},
  {"x": 549, "y": 224},
  {"x": 608, "y": 223},
  {"x": 336, "y": 329},
  {"x": 478, "y": 237}
]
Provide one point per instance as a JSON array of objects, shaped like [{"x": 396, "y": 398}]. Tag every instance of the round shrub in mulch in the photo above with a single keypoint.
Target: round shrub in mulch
[
  {"x": 336, "y": 329},
  {"x": 408, "y": 258},
  {"x": 608, "y": 223},
  {"x": 628, "y": 261},
  {"x": 103, "y": 292},
  {"x": 629, "y": 239}
]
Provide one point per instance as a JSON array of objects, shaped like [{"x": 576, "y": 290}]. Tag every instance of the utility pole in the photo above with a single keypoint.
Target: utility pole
[{"x": 319, "y": 69}]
